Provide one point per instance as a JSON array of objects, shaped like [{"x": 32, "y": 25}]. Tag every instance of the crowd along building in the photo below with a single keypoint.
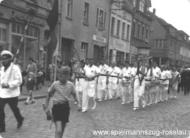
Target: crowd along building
[{"x": 22, "y": 26}]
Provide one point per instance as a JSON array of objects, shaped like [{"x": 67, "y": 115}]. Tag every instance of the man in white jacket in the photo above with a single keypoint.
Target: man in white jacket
[{"x": 10, "y": 81}]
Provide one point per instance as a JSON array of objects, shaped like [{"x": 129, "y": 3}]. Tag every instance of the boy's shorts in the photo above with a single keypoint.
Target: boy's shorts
[{"x": 61, "y": 112}]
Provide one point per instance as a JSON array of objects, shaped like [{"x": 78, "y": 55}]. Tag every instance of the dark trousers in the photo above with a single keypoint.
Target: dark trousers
[{"x": 13, "y": 103}]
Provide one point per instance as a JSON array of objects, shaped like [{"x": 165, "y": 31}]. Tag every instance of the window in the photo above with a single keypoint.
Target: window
[
  {"x": 69, "y": 8},
  {"x": 86, "y": 13},
  {"x": 118, "y": 27},
  {"x": 18, "y": 28},
  {"x": 3, "y": 34},
  {"x": 138, "y": 31},
  {"x": 147, "y": 35},
  {"x": 123, "y": 30},
  {"x": 100, "y": 19},
  {"x": 134, "y": 3},
  {"x": 112, "y": 26},
  {"x": 141, "y": 5},
  {"x": 134, "y": 28},
  {"x": 143, "y": 33},
  {"x": 84, "y": 49},
  {"x": 128, "y": 32}
]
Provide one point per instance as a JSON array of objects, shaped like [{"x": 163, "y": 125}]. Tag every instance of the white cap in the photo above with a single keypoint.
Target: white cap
[{"x": 6, "y": 52}]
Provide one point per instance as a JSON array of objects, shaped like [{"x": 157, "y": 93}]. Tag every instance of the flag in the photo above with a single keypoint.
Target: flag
[
  {"x": 52, "y": 21},
  {"x": 56, "y": 51},
  {"x": 53, "y": 16}
]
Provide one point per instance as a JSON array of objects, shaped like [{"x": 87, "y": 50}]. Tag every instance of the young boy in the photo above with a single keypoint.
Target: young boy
[
  {"x": 60, "y": 92},
  {"x": 30, "y": 87}
]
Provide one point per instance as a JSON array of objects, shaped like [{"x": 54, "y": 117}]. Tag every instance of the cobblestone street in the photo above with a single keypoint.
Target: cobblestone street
[{"x": 109, "y": 115}]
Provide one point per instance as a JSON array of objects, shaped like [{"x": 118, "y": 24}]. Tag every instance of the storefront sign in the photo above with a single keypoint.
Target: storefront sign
[
  {"x": 144, "y": 51},
  {"x": 120, "y": 45},
  {"x": 99, "y": 39}
]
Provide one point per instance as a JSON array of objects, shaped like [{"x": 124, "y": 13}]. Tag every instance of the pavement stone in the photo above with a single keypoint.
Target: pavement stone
[{"x": 109, "y": 115}]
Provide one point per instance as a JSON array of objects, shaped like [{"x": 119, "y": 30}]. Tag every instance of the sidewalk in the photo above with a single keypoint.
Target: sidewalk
[{"x": 37, "y": 94}]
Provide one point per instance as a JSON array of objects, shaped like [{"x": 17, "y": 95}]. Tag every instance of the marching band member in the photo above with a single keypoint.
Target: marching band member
[
  {"x": 148, "y": 84},
  {"x": 89, "y": 90},
  {"x": 80, "y": 83},
  {"x": 164, "y": 84},
  {"x": 101, "y": 88},
  {"x": 125, "y": 85},
  {"x": 108, "y": 70},
  {"x": 113, "y": 81},
  {"x": 169, "y": 73},
  {"x": 118, "y": 83},
  {"x": 156, "y": 77},
  {"x": 174, "y": 83},
  {"x": 139, "y": 85}
]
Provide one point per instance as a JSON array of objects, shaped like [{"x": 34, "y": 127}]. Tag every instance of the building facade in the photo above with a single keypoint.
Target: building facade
[
  {"x": 22, "y": 26},
  {"x": 120, "y": 33},
  {"x": 84, "y": 29},
  {"x": 141, "y": 29},
  {"x": 169, "y": 45}
]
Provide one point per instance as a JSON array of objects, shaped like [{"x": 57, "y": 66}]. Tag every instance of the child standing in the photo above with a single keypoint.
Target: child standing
[{"x": 30, "y": 87}]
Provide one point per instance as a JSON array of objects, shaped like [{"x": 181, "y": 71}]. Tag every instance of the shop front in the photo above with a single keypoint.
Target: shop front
[{"x": 99, "y": 48}]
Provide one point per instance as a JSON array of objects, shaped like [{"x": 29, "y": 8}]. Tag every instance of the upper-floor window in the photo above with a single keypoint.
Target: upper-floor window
[
  {"x": 19, "y": 28},
  {"x": 123, "y": 31},
  {"x": 100, "y": 19},
  {"x": 147, "y": 35},
  {"x": 86, "y": 13},
  {"x": 142, "y": 31},
  {"x": 69, "y": 8},
  {"x": 3, "y": 33},
  {"x": 142, "y": 5},
  {"x": 134, "y": 3},
  {"x": 112, "y": 26},
  {"x": 118, "y": 28},
  {"x": 138, "y": 30},
  {"x": 128, "y": 32}
]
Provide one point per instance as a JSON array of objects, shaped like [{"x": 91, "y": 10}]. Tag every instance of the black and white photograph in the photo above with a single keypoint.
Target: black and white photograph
[{"x": 94, "y": 69}]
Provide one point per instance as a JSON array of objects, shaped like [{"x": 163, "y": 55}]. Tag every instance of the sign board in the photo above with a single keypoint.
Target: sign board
[{"x": 99, "y": 39}]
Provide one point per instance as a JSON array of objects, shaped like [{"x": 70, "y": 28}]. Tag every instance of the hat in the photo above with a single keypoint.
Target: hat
[{"x": 6, "y": 52}]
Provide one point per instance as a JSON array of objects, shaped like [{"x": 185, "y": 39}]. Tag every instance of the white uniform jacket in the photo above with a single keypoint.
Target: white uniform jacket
[{"x": 12, "y": 76}]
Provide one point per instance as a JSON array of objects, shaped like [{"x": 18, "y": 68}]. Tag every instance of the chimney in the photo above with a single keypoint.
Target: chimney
[{"x": 154, "y": 11}]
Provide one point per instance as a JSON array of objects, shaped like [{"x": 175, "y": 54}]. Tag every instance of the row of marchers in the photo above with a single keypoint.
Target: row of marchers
[{"x": 126, "y": 83}]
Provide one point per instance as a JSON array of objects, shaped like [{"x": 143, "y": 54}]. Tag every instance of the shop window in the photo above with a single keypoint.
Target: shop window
[{"x": 84, "y": 49}]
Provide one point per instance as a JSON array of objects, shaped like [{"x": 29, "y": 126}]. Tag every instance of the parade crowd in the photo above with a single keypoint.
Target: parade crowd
[{"x": 142, "y": 84}]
